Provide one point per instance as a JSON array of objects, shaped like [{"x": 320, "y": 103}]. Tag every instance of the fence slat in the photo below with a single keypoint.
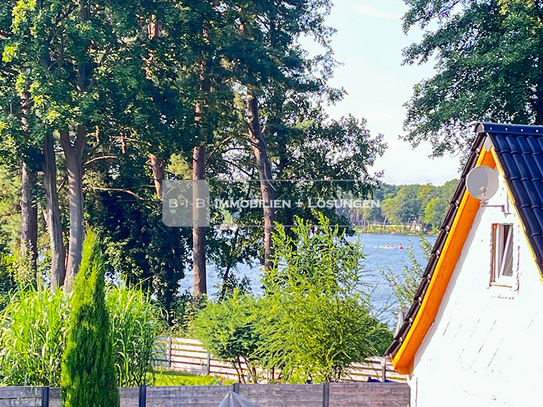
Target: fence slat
[{"x": 189, "y": 355}]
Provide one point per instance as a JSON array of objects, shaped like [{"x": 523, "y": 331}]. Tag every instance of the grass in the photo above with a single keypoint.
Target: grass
[{"x": 175, "y": 378}]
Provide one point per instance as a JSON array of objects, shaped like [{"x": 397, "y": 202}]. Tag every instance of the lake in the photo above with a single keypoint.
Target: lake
[{"x": 377, "y": 258}]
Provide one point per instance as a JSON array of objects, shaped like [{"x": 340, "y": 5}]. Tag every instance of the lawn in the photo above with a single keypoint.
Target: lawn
[{"x": 176, "y": 378}]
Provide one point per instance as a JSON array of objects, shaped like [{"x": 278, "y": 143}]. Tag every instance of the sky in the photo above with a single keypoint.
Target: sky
[{"x": 369, "y": 43}]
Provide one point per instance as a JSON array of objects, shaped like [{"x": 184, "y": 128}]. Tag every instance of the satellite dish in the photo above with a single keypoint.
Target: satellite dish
[{"x": 482, "y": 183}]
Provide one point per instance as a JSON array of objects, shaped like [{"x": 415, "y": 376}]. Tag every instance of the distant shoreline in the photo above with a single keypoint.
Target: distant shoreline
[
  {"x": 426, "y": 234},
  {"x": 395, "y": 232}
]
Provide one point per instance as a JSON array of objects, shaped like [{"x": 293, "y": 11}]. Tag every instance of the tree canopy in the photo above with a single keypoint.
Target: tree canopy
[{"x": 488, "y": 68}]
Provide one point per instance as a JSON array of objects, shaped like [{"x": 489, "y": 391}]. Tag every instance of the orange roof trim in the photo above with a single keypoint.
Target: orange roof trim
[{"x": 404, "y": 358}]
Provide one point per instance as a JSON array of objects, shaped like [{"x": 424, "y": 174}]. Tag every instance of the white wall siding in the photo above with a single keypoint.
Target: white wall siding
[{"x": 484, "y": 348}]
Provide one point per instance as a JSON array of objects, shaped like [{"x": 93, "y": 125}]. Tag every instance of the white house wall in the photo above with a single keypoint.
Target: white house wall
[{"x": 485, "y": 345}]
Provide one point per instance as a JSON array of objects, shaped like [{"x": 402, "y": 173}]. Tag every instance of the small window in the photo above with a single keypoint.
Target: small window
[{"x": 502, "y": 254}]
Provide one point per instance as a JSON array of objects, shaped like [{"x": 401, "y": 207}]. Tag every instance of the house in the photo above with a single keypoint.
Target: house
[{"x": 473, "y": 335}]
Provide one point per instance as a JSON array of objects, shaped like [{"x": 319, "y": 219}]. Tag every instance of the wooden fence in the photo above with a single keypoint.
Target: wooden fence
[
  {"x": 264, "y": 395},
  {"x": 189, "y": 355}
]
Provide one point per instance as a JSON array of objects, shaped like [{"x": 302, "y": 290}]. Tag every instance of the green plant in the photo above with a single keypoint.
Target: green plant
[
  {"x": 34, "y": 328},
  {"x": 135, "y": 326},
  {"x": 227, "y": 330},
  {"x": 88, "y": 370},
  {"x": 406, "y": 284},
  {"x": 315, "y": 320}
]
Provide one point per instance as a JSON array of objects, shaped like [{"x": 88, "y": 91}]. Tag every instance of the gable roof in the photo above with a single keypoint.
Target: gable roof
[{"x": 518, "y": 151}]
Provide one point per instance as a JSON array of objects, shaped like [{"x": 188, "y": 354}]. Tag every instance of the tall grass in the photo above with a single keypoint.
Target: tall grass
[
  {"x": 135, "y": 325},
  {"x": 34, "y": 327}
]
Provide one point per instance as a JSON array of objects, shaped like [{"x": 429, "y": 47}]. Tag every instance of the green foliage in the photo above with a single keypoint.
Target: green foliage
[
  {"x": 227, "y": 329},
  {"x": 185, "y": 312},
  {"x": 135, "y": 326},
  {"x": 315, "y": 320},
  {"x": 33, "y": 337},
  {"x": 88, "y": 370},
  {"x": 10, "y": 219},
  {"x": 138, "y": 246},
  {"x": 425, "y": 204},
  {"x": 35, "y": 325},
  {"x": 487, "y": 68}
]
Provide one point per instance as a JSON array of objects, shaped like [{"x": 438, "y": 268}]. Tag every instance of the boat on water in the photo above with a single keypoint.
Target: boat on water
[{"x": 389, "y": 246}]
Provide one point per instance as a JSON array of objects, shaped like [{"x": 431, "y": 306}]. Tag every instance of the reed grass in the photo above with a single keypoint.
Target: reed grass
[
  {"x": 135, "y": 326},
  {"x": 34, "y": 328}
]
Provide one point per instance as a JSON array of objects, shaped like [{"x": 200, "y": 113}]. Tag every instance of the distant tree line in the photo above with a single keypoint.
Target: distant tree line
[{"x": 425, "y": 205}]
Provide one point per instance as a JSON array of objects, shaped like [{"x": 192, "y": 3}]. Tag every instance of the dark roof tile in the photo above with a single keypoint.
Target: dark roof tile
[
  {"x": 520, "y": 162},
  {"x": 534, "y": 145},
  {"x": 501, "y": 144},
  {"x": 537, "y": 246},
  {"x": 524, "y": 146},
  {"x": 513, "y": 145},
  {"x": 508, "y": 164},
  {"x": 534, "y": 172},
  {"x": 538, "y": 214},
  {"x": 519, "y": 194},
  {"x": 538, "y": 187},
  {"x": 540, "y": 142},
  {"x": 531, "y": 192},
  {"x": 538, "y": 160},
  {"x": 530, "y": 222}
]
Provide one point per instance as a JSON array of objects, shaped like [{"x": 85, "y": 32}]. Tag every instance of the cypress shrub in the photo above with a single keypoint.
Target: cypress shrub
[{"x": 88, "y": 370}]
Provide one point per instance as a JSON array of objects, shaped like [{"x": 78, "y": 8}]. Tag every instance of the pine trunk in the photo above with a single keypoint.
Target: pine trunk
[
  {"x": 74, "y": 164},
  {"x": 157, "y": 166},
  {"x": 265, "y": 177},
  {"x": 52, "y": 214},
  {"x": 199, "y": 233}
]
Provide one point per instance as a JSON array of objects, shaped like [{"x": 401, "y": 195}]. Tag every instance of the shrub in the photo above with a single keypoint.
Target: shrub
[
  {"x": 227, "y": 330},
  {"x": 35, "y": 325},
  {"x": 88, "y": 370}
]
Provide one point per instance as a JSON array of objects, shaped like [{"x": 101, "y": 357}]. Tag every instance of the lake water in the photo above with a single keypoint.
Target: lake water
[{"x": 377, "y": 258}]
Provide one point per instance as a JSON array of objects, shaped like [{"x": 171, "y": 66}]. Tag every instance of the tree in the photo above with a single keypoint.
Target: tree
[
  {"x": 275, "y": 63},
  {"x": 488, "y": 68},
  {"x": 88, "y": 369},
  {"x": 76, "y": 69},
  {"x": 315, "y": 320}
]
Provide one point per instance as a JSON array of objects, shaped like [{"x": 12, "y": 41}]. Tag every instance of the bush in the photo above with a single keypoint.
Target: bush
[
  {"x": 227, "y": 330},
  {"x": 135, "y": 327},
  {"x": 34, "y": 329},
  {"x": 315, "y": 320},
  {"x": 88, "y": 370}
]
